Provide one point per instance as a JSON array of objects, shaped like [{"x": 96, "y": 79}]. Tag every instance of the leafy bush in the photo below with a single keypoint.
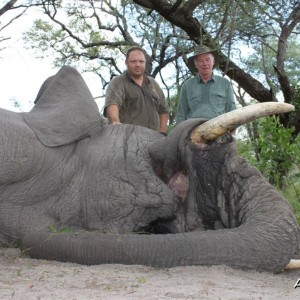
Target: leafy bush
[
  {"x": 277, "y": 156},
  {"x": 274, "y": 152},
  {"x": 277, "y": 151}
]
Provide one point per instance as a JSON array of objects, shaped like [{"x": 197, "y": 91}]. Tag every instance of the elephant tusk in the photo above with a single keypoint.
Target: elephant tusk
[
  {"x": 293, "y": 264},
  {"x": 227, "y": 122}
]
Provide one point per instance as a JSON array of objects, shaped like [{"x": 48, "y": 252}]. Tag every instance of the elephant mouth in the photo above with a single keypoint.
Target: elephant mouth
[{"x": 227, "y": 122}]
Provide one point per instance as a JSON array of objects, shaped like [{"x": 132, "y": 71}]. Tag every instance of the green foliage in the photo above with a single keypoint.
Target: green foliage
[
  {"x": 263, "y": 60},
  {"x": 15, "y": 244},
  {"x": 277, "y": 152},
  {"x": 45, "y": 36},
  {"x": 62, "y": 229},
  {"x": 245, "y": 149},
  {"x": 296, "y": 99},
  {"x": 142, "y": 280}
]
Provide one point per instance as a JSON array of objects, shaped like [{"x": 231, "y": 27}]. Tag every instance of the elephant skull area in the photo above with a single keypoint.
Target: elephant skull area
[{"x": 63, "y": 166}]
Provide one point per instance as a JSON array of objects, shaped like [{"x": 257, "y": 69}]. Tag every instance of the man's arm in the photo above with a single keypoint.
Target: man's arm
[
  {"x": 114, "y": 99},
  {"x": 163, "y": 118},
  {"x": 112, "y": 112}
]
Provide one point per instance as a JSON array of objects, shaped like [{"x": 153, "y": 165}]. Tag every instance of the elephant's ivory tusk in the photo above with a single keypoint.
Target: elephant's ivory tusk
[
  {"x": 216, "y": 127},
  {"x": 293, "y": 264}
]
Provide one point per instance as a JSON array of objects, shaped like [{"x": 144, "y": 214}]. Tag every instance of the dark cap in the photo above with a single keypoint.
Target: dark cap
[{"x": 202, "y": 49}]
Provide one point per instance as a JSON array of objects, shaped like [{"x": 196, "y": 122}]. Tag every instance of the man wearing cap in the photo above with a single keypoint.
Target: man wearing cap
[{"x": 206, "y": 95}]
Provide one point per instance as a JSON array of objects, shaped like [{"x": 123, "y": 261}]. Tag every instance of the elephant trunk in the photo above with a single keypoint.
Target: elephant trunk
[
  {"x": 216, "y": 127},
  {"x": 240, "y": 247}
]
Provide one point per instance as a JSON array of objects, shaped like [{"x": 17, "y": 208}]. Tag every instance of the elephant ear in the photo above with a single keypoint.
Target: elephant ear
[{"x": 64, "y": 110}]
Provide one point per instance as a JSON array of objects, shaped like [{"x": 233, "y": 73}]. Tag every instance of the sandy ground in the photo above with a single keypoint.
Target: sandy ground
[{"x": 26, "y": 278}]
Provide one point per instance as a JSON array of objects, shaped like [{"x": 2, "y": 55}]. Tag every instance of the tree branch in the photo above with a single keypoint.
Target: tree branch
[
  {"x": 9, "y": 5},
  {"x": 287, "y": 29},
  {"x": 183, "y": 18}
]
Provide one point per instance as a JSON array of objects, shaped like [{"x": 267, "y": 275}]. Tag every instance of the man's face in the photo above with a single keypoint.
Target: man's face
[
  {"x": 204, "y": 64},
  {"x": 136, "y": 63}
]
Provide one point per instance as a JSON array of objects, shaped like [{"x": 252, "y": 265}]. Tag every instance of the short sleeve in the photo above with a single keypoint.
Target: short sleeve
[{"x": 114, "y": 93}]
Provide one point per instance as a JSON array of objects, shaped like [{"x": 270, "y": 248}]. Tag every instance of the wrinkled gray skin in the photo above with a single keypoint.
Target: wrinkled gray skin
[{"x": 64, "y": 166}]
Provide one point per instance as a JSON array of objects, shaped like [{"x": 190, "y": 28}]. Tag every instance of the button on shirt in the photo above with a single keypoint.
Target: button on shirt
[
  {"x": 198, "y": 99},
  {"x": 138, "y": 105}
]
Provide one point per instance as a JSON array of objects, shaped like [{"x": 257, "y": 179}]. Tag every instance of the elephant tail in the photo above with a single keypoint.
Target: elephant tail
[{"x": 233, "y": 247}]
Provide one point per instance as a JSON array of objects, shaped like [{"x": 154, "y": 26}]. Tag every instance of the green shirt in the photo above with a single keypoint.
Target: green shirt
[
  {"x": 205, "y": 100},
  {"x": 138, "y": 105}
]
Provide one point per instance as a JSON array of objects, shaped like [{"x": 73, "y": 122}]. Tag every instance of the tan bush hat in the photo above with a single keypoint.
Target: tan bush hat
[{"x": 202, "y": 49}]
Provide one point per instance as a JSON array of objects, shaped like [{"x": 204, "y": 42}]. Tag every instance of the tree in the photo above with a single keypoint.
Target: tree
[
  {"x": 227, "y": 24},
  {"x": 7, "y": 6},
  {"x": 18, "y": 8},
  {"x": 4, "y": 9},
  {"x": 97, "y": 35}
]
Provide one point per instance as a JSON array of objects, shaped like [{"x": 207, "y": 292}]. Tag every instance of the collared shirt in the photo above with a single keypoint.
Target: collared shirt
[
  {"x": 138, "y": 105},
  {"x": 198, "y": 99}
]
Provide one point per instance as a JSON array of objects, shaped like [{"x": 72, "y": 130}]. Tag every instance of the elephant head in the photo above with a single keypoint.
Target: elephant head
[{"x": 111, "y": 186}]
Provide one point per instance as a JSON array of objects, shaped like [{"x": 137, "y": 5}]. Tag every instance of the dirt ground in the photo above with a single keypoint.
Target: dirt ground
[{"x": 26, "y": 278}]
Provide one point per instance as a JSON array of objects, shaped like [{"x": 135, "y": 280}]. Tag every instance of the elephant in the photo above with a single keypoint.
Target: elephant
[{"x": 75, "y": 188}]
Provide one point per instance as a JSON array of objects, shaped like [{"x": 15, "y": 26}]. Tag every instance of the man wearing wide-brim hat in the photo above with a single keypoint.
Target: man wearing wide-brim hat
[{"x": 205, "y": 95}]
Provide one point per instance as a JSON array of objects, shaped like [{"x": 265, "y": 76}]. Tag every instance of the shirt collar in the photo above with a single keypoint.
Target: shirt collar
[
  {"x": 145, "y": 79},
  {"x": 212, "y": 78}
]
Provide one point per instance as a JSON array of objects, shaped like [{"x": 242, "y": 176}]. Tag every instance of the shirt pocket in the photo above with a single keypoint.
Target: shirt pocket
[
  {"x": 195, "y": 101},
  {"x": 156, "y": 101},
  {"x": 152, "y": 96},
  {"x": 131, "y": 103},
  {"x": 218, "y": 101}
]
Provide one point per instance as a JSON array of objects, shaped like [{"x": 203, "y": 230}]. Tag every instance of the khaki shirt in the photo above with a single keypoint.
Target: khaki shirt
[{"x": 138, "y": 105}]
